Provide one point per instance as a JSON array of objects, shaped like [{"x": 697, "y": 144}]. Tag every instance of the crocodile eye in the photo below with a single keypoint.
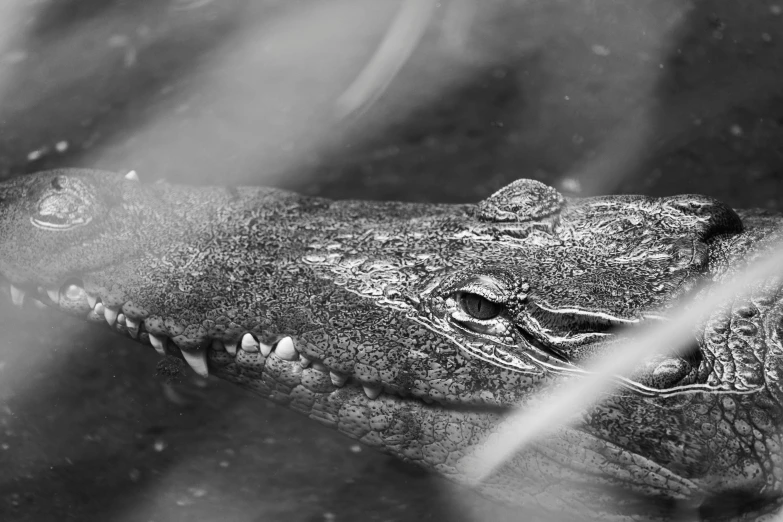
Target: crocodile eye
[{"x": 479, "y": 307}]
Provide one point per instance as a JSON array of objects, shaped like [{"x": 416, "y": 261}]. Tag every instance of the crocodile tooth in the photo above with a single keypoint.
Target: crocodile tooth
[
  {"x": 73, "y": 292},
  {"x": 94, "y": 316},
  {"x": 110, "y": 314},
  {"x": 17, "y": 296},
  {"x": 304, "y": 361},
  {"x": 38, "y": 304},
  {"x": 286, "y": 349},
  {"x": 91, "y": 300},
  {"x": 371, "y": 392},
  {"x": 159, "y": 343},
  {"x": 133, "y": 326},
  {"x": 132, "y": 176},
  {"x": 197, "y": 359},
  {"x": 249, "y": 344},
  {"x": 231, "y": 347},
  {"x": 121, "y": 318},
  {"x": 54, "y": 295},
  {"x": 320, "y": 367},
  {"x": 218, "y": 346},
  {"x": 99, "y": 308},
  {"x": 338, "y": 380},
  {"x": 266, "y": 349}
]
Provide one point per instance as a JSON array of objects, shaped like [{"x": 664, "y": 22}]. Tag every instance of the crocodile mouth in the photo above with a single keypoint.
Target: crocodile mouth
[{"x": 279, "y": 369}]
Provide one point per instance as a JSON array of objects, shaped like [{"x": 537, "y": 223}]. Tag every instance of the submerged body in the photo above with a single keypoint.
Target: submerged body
[{"x": 415, "y": 328}]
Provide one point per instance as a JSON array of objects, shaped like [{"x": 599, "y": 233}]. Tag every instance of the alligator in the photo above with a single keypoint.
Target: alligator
[{"x": 416, "y": 328}]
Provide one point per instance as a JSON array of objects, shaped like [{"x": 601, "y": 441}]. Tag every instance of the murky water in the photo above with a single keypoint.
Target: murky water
[{"x": 658, "y": 98}]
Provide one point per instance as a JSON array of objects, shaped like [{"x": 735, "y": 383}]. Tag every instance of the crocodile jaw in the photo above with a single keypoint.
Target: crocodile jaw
[
  {"x": 438, "y": 438},
  {"x": 283, "y": 373}
]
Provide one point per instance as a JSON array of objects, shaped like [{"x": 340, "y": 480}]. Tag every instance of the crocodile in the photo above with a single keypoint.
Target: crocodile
[{"x": 416, "y": 328}]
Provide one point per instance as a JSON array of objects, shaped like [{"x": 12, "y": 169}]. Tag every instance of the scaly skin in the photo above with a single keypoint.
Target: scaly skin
[{"x": 413, "y": 328}]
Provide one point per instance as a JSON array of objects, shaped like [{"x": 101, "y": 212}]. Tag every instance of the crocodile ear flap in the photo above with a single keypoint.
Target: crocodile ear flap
[
  {"x": 523, "y": 200},
  {"x": 711, "y": 217}
]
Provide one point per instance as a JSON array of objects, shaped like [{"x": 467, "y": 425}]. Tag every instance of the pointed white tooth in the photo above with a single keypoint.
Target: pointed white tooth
[
  {"x": 159, "y": 343},
  {"x": 54, "y": 295},
  {"x": 17, "y": 296},
  {"x": 197, "y": 359},
  {"x": 132, "y": 176},
  {"x": 121, "y": 318},
  {"x": 91, "y": 300},
  {"x": 320, "y": 367},
  {"x": 249, "y": 344},
  {"x": 38, "y": 304},
  {"x": 231, "y": 347},
  {"x": 286, "y": 349},
  {"x": 133, "y": 326},
  {"x": 338, "y": 380},
  {"x": 304, "y": 361},
  {"x": 218, "y": 346},
  {"x": 99, "y": 308},
  {"x": 266, "y": 349},
  {"x": 110, "y": 314},
  {"x": 371, "y": 392}
]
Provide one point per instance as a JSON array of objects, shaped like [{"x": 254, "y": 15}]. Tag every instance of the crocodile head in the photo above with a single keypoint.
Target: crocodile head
[{"x": 413, "y": 328}]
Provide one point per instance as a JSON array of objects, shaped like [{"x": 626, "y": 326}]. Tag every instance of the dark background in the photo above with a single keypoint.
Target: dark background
[{"x": 651, "y": 96}]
